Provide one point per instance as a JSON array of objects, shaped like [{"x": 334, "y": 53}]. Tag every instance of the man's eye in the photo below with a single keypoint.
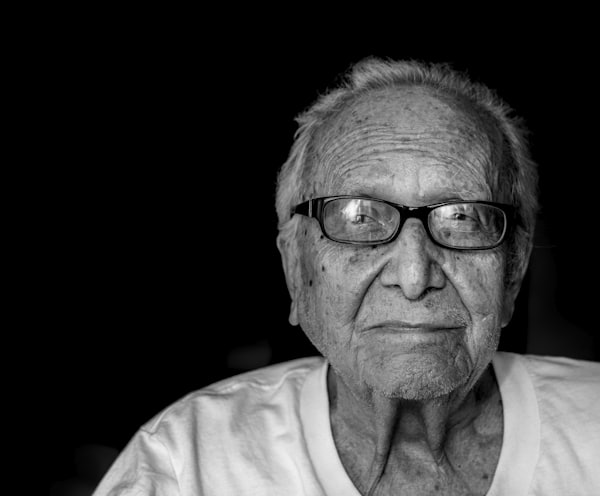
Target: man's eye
[
  {"x": 363, "y": 219},
  {"x": 461, "y": 216},
  {"x": 464, "y": 217}
]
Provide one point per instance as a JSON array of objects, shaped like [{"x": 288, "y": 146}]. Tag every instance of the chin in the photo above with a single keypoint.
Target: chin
[{"x": 418, "y": 380}]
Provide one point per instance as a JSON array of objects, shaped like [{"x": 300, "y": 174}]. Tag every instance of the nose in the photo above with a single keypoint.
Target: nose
[{"x": 413, "y": 262}]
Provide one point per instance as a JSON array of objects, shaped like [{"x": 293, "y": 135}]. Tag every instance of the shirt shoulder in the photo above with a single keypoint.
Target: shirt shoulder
[
  {"x": 227, "y": 438},
  {"x": 567, "y": 389},
  {"x": 564, "y": 377},
  {"x": 568, "y": 398},
  {"x": 563, "y": 368},
  {"x": 240, "y": 395}
]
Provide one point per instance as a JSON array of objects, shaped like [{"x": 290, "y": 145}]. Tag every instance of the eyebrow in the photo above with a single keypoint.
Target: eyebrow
[{"x": 429, "y": 199}]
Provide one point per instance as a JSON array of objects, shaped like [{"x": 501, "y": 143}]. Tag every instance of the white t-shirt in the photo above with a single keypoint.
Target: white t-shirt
[{"x": 267, "y": 432}]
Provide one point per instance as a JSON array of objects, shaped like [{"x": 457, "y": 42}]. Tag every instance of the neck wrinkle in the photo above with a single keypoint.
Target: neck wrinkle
[{"x": 384, "y": 427}]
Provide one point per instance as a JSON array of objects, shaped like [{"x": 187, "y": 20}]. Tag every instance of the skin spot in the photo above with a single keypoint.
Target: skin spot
[
  {"x": 354, "y": 258},
  {"x": 485, "y": 476},
  {"x": 310, "y": 282},
  {"x": 437, "y": 487},
  {"x": 321, "y": 237},
  {"x": 305, "y": 232},
  {"x": 322, "y": 268}
]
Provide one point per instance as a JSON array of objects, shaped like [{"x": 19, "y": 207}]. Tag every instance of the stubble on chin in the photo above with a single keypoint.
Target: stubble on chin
[
  {"x": 418, "y": 380},
  {"x": 420, "y": 371}
]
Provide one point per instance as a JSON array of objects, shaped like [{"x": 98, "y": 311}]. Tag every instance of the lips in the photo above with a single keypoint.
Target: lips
[{"x": 403, "y": 326}]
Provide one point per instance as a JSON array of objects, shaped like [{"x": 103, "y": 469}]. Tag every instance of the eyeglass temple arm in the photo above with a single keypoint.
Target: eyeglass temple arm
[{"x": 305, "y": 208}]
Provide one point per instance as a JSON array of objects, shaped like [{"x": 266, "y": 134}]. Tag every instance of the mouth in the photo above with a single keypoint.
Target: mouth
[{"x": 398, "y": 326}]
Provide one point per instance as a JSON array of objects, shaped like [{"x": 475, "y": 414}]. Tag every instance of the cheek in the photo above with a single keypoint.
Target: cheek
[
  {"x": 311, "y": 268},
  {"x": 479, "y": 280},
  {"x": 333, "y": 278},
  {"x": 344, "y": 270},
  {"x": 313, "y": 297},
  {"x": 321, "y": 303}
]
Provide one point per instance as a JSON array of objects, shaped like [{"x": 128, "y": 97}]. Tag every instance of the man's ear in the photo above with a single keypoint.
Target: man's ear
[
  {"x": 508, "y": 304},
  {"x": 508, "y": 307},
  {"x": 290, "y": 260},
  {"x": 513, "y": 287}
]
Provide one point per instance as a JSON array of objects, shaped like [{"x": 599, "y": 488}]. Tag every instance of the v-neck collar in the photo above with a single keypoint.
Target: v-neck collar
[{"x": 520, "y": 440}]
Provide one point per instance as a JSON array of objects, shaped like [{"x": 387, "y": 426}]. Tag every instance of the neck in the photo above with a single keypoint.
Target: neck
[{"x": 425, "y": 432}]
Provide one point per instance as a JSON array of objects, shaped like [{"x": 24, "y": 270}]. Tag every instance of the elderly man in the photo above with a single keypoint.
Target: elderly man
[{"x": 406, "y": 210}]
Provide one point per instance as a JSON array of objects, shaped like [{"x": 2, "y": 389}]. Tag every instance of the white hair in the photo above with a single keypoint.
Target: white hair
[{"x": 515, "y": 175}]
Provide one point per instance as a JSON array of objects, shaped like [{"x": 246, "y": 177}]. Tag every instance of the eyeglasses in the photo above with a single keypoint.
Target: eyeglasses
[{"x": 460, "y": 225}]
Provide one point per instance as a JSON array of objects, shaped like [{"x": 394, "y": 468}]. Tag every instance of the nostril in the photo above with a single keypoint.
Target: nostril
[{"x": 416, "y": 295}]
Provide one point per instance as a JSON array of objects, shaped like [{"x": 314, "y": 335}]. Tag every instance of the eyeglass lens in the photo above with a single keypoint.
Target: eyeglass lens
[{"x": 461, "y": 225}]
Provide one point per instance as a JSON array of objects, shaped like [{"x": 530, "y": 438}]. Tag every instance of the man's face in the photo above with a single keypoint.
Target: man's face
[{"x": 406, "y": 319}]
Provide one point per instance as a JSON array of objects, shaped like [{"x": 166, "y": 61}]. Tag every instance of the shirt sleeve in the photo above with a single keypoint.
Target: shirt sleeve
[{"x": 143, "y": 468}]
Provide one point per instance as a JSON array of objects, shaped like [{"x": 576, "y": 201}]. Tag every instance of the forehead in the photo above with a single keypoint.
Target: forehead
[
  {"x": 411, "y": 128},
  {"x": 414, "y": 108}
]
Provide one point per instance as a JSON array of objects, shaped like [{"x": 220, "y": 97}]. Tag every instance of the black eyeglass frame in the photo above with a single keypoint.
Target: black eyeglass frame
[{"x": 314, "y": 209}]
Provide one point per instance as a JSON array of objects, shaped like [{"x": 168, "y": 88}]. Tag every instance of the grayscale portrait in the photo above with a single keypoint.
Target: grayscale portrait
[{"x": 406, "y": 212}]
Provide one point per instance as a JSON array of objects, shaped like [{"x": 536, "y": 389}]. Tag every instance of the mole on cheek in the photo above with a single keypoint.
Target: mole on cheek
[
  {"x": 359, "y": 256},
  {"x": 455, "y": 260}
]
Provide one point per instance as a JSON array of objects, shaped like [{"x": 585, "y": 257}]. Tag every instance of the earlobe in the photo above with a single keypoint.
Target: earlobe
[
  {"x": 507, "y": 312},
  {"x": 289, "y": 260},
  {"x": 508, "y": 305},
  {"x": 293, "y": 318}
]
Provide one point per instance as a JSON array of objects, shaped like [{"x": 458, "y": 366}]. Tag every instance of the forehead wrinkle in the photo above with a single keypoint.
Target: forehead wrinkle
[
  {"x": 343, "y": 161},
  {"x": 477, "y": 180},
  {"x": 341, "y": 140},
  {"x": 466, "y": 187},
  {"x": 374, "y": 141},
  {"x": 366, "y": 131}
]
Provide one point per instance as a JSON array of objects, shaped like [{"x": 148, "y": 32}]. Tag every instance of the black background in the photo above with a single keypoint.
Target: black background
[{"x": 156, "y": 271}]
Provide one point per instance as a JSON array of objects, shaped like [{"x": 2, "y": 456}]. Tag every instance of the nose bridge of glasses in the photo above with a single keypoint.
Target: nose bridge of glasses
[
  {"x": 407, "y": 213},
  {"x": 420, "y": 213}
]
